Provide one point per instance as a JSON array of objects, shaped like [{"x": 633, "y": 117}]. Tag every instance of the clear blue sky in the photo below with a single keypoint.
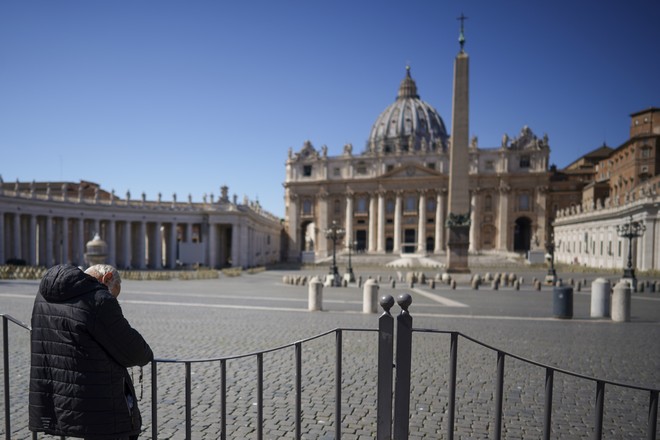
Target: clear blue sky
[{"x": 186, "y": 96}]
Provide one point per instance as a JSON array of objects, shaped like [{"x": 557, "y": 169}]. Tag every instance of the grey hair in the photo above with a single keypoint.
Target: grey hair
[{"x": 99, "y": 270}]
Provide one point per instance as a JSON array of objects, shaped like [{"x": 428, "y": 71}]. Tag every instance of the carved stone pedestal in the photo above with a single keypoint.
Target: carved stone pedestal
[{"x": 458, "y": 243}]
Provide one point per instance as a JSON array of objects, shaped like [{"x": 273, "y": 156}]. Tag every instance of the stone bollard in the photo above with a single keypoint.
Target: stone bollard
[
  {"x": 600, "y": 298},
  {"x": 393, "y": 284},
  {"x": 344, "y": 283},
  {"x": 475, "y": 284},
  {"x": 621, "y": 302},
  {"x": 370, "y": 296},
  {"x": 537, "y": 285},
  {"x": 453, "y": 284},
  {"x": 495, "y": 284},
  {"x": 315, "y": 295}
]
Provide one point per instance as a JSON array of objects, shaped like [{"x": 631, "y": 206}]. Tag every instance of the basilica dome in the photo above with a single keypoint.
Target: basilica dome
[{"x": 409, "y": 124}]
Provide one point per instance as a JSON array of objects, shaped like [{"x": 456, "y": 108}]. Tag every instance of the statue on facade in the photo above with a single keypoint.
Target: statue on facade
[
  {"x": 348, "y": 149},
  {"x": 505, "y": 140}
]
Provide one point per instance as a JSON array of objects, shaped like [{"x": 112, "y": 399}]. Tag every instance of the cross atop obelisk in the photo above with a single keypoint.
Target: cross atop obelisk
[
  {"x": 458, "y": 219},
  {"x": 461, "y": 36}
]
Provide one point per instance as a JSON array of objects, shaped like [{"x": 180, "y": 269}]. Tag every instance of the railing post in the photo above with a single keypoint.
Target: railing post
[
  {"x": 385, "y": 365},
  {"x": 338, "y": 373},
  {"x": 600, "y": 403},
  {"x": 188, "y": 401},
  {"x": 260, "y": 396},
  {"x": 403, "y": 363},
  {"x": 223, "y": 400},
  {"x": 453, "y": 356},
  {"x": 5, "y": 352},
  {"x": 298, "y": 421},
  {"x": 653, "y": 415},
  {"x": 547, "y": 421},
  {"x": 499, "y": 395},
  {"x": 154, "y": 400}
]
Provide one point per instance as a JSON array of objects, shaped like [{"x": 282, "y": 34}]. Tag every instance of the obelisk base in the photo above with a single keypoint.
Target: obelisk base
[{"x": 458, "y": 244}]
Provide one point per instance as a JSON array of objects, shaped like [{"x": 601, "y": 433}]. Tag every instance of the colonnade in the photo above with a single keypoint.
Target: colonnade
[{"x": 148, "y": 237}]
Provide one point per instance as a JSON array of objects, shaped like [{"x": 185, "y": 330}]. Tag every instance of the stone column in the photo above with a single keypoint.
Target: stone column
[
  {"x": 111, "y": 240},
  {"x": 156, "y": 259},
  {"x": 349, "y": 220},
  {"x": 381, "y": 222},
  {"x": 322, "y": 225},
  {"x": 502, "y": 219},
  {"x": 439, "y": 223},
  {"x": 244, "y": 256},
  {"x": 32, "y": 241},
  {"x": 49, "y": 241},
  {"x": 235, "y": 244},
  {"x": 128, "y": 252},
  {"x": 421, "y": 223},
  {"x": 140, "y": 239},
  {"x": 17, "y": 236},
  {"x": 2, "y": 234},
  {"x": 213, "y": 245},
  {"x": 80, "y": 241},
  {"x": 372, "y": 221},
  {"x": 294, "y": 234},
  {"x": 65, "y": 240},
  {"x": 189, "y": 232},
  {"x": 171, "y": 246},
  {"x": 397, "y": 222},
  {"x": 474, "y": 222}
]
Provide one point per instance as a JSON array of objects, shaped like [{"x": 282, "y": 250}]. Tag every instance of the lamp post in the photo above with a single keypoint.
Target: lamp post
[
  {"x": 334, "y": 233},
  {"x": 631, "y": 229},
  {"x": 351, "y": 276},
  {"x": 551, "y": 277}
]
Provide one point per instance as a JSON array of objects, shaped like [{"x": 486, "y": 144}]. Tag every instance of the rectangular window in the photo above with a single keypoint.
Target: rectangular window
[
  {"x": 490, "y": 165},
  {"x": 523, "y": 202},
  {"x": 337, "y": 172},
  {"x": 430, "y": 165},
  {"x": 307, "y": 170},
  {"x": 524, "y": 161}
]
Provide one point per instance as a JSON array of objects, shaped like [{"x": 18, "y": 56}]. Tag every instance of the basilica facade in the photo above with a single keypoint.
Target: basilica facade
[{"x": 391, "y": 197}]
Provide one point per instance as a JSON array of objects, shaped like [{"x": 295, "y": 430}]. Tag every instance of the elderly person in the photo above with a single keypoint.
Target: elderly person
[{"x": 81, "y": 348}]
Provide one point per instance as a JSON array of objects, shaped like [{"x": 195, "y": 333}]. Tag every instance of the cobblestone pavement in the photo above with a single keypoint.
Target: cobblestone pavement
[{"x": 228, "y": 316}]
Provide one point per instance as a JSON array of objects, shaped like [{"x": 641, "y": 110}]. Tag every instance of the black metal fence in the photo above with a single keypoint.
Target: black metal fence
[{"x": 393, "y": 381}]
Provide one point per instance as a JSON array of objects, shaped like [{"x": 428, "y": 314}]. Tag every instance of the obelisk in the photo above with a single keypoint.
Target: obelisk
[{"x": 458, "y": 218}]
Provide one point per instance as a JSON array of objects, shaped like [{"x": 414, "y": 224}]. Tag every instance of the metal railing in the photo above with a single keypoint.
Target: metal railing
[{"x": 393, "y": 381}]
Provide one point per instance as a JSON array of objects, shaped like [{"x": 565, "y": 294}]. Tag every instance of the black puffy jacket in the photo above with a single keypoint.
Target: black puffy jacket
[{"x": 81, "y": 347}]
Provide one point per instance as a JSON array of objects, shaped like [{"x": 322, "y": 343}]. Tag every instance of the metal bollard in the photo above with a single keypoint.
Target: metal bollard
[
  {"x": 600, "y": 298},
  {"x": 315, "y": 295},
  {"x": 621, "y": 302},
  {"x": 370, "y": 296},
  {"x": 562, "y": 302}
]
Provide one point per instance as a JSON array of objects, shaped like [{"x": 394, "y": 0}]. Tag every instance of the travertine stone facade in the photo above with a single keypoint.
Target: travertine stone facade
[{"x": 49, "y": 223}]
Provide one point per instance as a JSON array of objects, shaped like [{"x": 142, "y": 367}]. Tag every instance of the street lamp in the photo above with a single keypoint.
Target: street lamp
[
  {"x": 334, "y": 233},
  {"x": 631, "y": 229},
  {"x": 351, "y": 276},
  {"x": 551, "y": 277}
]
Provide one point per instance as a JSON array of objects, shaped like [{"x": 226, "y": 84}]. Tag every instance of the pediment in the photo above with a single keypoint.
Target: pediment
[{"x": 408, "y": 171}]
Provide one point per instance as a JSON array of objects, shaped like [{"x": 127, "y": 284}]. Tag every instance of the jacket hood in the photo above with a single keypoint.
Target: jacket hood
[{"x": 64, "y": 281}]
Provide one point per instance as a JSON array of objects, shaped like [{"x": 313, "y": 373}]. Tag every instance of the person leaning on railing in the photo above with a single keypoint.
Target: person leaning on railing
[{"x": 81, "y": 347}]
